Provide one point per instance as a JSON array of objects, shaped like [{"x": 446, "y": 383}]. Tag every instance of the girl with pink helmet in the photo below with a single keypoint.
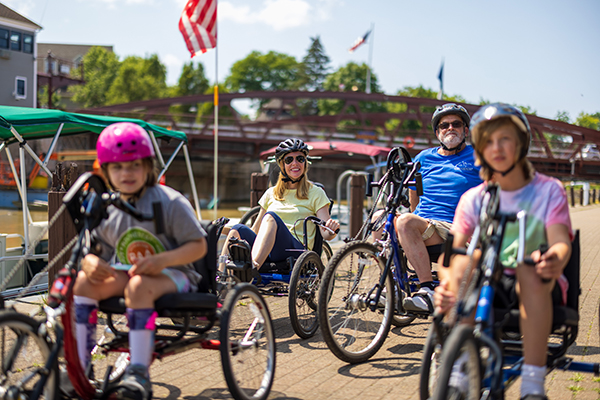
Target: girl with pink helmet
[{"x": 130, "y": 259}]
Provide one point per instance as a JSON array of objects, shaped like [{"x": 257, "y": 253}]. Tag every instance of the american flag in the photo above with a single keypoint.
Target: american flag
[
  {"x": 358, "y": 42},
  {"x": 198, "y": 25}
]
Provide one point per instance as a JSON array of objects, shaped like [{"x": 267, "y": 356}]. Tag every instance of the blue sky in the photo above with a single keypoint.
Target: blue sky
[{"x": 538, "y": 53}]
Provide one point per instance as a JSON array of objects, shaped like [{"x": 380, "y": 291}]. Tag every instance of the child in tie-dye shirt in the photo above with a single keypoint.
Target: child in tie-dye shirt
[{"x": 501, "y": 136}]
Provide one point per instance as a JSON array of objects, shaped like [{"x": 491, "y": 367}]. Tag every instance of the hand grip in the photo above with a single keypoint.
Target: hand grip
[
  {"x": 448, "y": 250},
  {"x": 419, "y": 183},
  {"x": 529, "y": 261}
]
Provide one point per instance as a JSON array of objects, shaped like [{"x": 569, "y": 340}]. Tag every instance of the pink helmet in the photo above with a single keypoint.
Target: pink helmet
[{"x": 123, "y": 141}]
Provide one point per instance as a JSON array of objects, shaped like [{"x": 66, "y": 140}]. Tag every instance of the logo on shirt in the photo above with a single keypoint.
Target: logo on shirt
[
  {"x": 137, "y": 243},
  {"x": 464, "y": 166}
]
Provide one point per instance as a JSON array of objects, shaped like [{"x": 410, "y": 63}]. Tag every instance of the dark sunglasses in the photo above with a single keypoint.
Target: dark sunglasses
[
  {"x": 455, "y": 124},
  {"x": 288, "y": 160}
]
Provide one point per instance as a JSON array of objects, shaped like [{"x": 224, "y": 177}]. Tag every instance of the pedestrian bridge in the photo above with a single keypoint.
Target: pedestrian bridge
[{"x": 557, "y": 148}]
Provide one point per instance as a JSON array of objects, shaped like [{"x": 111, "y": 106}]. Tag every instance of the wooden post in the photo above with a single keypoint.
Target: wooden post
[
  {"x": 593, "y": 196},
  {"x": 63, "y": 230},
  {"x": 357, "y": 198},
  {"x": 259, "y": 183},
  {"x": 581, "y": 196},
  {"x": 572, "y": 196}
]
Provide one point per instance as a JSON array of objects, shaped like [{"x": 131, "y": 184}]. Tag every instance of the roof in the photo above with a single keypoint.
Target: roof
[
  {"x": 37, "y": 123},
  {"x": 8, "y": 13}
]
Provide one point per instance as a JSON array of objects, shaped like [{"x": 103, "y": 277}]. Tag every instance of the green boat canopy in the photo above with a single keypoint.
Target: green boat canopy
[{"x": 38, "y": 123}]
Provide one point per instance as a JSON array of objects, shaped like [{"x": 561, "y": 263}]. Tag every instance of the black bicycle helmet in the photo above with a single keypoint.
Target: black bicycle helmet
[
  {"x": 289, "y": 146},
  {"x": 494, "y": 111},
  {"x": 449, "y": 109}
]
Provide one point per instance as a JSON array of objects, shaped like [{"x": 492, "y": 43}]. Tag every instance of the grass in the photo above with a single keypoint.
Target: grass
[
  {"x": 577, "y": 377},
  {"x": 575, "y": 388}
]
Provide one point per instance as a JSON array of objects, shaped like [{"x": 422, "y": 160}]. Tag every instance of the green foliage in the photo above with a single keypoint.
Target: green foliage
[
  {"x": 563, "y": 116},
  {"x": 42, "y": 99},
  {"x": 138, "y": 79},
  {"x": 100, "y": 68},
  {"x": 526, "y": 109},
  {"x": 207, "y": 110},
  {"x": 315, "y": 66},
  {"x": 264, "y": 72},
  {"x": 191, "y": 81},
  {"x": 591, "y": 121}
]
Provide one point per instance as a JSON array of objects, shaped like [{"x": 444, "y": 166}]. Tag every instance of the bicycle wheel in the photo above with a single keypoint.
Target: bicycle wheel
[
  {"x": 326, "y": 254},
  {"x": 461, "y": 346},
  {"x": 352, "y": 331},
  {"x": 430, "y": 363},
  {"x": 303, "y": 290},
  {"x": 247, "y": 344},
  {"x": 111, "y": 351},
  {"x": 250, "y": 216},
  {"x": 24, "y": 356},
  {"x": 401, "y": 317}
]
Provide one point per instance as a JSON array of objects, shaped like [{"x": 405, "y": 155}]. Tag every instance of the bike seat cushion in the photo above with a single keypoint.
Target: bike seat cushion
[{"x": 172, "y": 304}]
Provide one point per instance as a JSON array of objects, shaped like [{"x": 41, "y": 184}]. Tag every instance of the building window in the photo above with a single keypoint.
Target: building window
[
  {"x": 27, "y": 43},
  {"x": 3, "y": 38},
  {"x": 15, "y": 41},
  {"x": 20, "y": 88}
]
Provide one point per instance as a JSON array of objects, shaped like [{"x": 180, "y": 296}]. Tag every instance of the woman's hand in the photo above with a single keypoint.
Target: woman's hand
[
  {"x": 333, "y": 225},
  {"x": 96, "y": 269},
  {"x": 323, "y": 215}
]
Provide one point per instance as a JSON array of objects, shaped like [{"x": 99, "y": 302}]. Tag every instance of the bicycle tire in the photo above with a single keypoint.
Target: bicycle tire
[
  {"x": 303, "y": 291},
  {"x": 250, "y": 216},
  {"x": 24, "y": 355},
  {"x": 350, "y": 329},
  {"x": 459, "y": 341},
  {"x": 401, "y": 318},
  {"x": 115, "y": 357},
  {"x": 247, "y": 344},
  {"x": 326, "y": 254},
  {"x": 430, "y": 363}
]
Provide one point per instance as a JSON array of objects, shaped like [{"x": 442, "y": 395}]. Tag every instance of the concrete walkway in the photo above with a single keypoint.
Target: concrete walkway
[{"x": 306, "y": 369}]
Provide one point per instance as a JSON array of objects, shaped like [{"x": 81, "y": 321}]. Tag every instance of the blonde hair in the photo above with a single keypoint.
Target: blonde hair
[
  {"x": 303, "y": 186},
  {"x": 480, "y": 138}
]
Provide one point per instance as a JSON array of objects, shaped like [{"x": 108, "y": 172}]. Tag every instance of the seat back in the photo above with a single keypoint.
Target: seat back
[
  {"x": 207, "y": 266},
  {"x": 571, "y": 272}
]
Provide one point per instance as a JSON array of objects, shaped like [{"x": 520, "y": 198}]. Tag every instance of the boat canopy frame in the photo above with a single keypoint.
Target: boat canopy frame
[{"x": 20, "y": 124}]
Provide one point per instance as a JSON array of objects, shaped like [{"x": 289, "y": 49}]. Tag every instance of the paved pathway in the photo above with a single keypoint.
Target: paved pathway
[{"x": 306, "y": 369}]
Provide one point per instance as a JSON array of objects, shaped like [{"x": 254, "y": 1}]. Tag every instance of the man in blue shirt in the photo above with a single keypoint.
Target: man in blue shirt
[{"x": 448, "y": 171}]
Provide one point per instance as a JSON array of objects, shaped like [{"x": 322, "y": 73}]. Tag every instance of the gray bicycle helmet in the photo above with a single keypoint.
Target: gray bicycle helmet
[
  {"x": 449, "y": 109},
  {"x": 494, "y": 111},
  {"x": 289, "y": 146}
]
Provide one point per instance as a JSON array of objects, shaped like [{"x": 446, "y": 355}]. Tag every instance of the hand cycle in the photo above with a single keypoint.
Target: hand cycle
[
  {"x": 246, "y": 338},
  {"x": 297, "y": 277},
  {"x": 364, "y": 283},
  {"x": 492, "y": 346}
]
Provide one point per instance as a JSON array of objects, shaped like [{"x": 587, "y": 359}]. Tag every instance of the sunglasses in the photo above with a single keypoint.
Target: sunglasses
[
  {"x": 288, "y": 160},
  {"x": 455, "y": 124}
]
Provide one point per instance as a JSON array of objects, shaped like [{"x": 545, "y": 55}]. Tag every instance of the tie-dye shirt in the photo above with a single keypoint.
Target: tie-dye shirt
[{"x": 544, "y": 200}]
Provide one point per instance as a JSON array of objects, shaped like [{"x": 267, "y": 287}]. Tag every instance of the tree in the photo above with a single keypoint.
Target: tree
[
  {"x": 100, "y": 69},
  {"x": 591, "y": 121},
  {"x": 563, "y": 116},
  {"x": 138, "y": 79},
  {"x": 264, "y": 72},
  {"x": 315, "y": 66},
  {"x": 191, "y": 81}
]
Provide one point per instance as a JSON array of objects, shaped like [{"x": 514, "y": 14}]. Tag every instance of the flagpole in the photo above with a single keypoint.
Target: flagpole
[
  {"x": 370, "y": 59},
  {"x": 216, "y": 130}
]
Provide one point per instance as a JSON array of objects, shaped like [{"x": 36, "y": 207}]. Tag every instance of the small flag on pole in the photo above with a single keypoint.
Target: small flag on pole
[
  {"x": 441, "y": 79},
  {"x": 198, "y": 25},
  {"x": 358, "y": 42}
]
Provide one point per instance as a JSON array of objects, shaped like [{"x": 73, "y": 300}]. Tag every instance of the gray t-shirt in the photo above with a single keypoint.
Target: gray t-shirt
[{"x": 124, "y": 238}]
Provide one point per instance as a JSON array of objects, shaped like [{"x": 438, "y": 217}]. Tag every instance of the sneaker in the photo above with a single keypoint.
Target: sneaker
[
  {"x": 421, "y": 301},
  {"x": 136, "y": 384}
]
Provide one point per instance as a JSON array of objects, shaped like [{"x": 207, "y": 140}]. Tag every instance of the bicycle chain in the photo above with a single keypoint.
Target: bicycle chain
[{"x": 30, "y": 251}]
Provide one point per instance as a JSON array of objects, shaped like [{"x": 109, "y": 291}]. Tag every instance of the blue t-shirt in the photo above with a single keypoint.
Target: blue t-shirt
[{"x": 445, "y": 179}]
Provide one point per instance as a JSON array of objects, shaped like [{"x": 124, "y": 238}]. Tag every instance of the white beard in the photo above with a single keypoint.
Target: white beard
[{"x": 451, "y": 141}]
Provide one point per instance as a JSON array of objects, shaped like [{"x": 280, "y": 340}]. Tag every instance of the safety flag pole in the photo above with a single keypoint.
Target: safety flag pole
[
  {"x": 370, "y": 58},
  {"x": 216, "y": 138}
]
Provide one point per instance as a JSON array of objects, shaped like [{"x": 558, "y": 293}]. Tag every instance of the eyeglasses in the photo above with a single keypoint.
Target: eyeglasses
[
  {"x": 455, "y": 124},
  {"x": 290, "y": 159}
]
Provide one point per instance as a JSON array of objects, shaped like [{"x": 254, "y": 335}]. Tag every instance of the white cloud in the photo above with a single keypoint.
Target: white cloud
[{"x": 278, "y": 14}]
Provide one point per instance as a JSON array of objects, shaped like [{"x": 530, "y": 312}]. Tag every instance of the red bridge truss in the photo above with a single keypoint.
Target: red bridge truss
[{"x": 557, "y": 148}]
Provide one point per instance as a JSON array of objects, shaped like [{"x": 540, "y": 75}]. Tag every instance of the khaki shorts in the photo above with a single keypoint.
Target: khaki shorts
[{"x": 441, "y": 227}]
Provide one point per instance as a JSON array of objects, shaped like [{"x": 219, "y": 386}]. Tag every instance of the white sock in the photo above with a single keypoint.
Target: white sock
[
  {"x": 458, "y": 378},
  {"x": 141, "y": 345},
  {"x": 82, "y": 331},
  {"x": 532, "y": 379}
]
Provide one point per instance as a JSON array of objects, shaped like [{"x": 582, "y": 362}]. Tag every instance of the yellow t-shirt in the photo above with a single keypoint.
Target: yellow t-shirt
[{"x": 293, "y": 210}]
